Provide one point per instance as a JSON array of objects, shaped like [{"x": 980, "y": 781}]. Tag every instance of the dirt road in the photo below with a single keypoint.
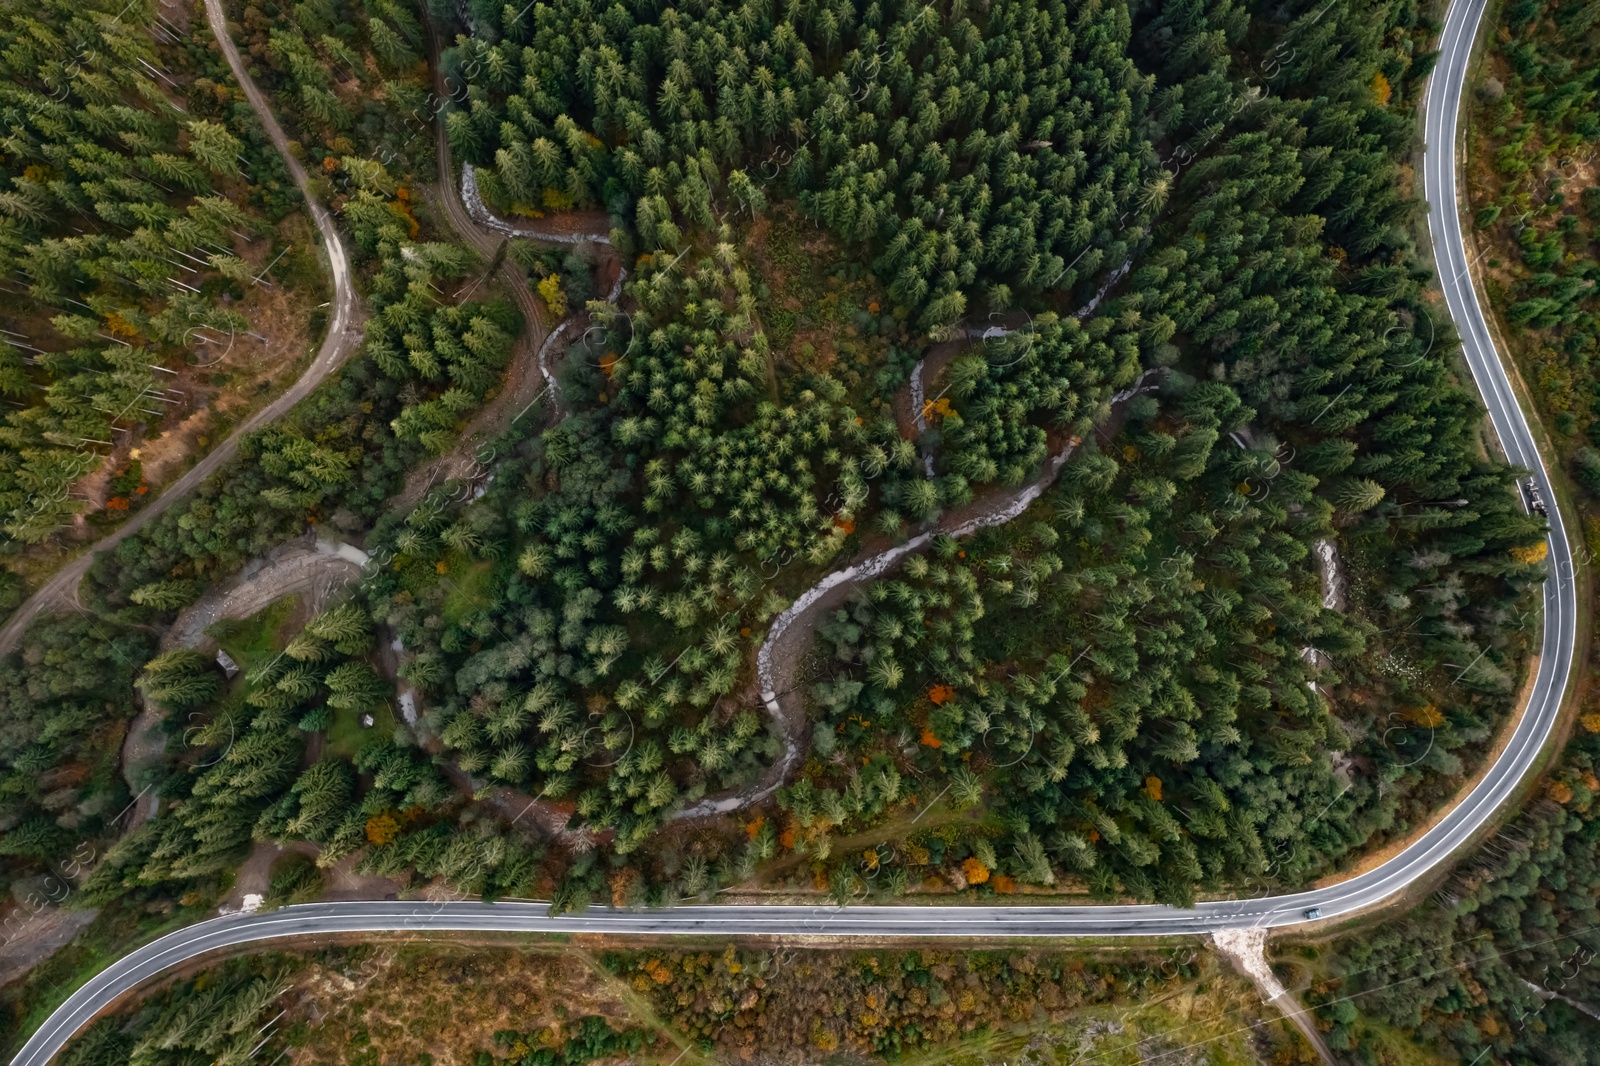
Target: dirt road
[{"x": 343, "y": 338}]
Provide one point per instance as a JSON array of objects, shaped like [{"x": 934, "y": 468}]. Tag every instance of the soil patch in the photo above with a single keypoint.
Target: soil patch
[{"x": 397, "y": 1004}]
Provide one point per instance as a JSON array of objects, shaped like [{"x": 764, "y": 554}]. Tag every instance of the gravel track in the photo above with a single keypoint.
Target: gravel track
[{"x": 344, "y": 336}]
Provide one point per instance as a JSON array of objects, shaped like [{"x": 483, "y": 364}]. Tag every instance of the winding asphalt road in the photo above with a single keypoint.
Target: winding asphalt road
[
  {"x": 343, "y": 337},
  {"x": 1425, "y": 854}
]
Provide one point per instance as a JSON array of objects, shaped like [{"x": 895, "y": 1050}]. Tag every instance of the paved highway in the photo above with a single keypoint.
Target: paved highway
[{"x": 1425, "y": 854}]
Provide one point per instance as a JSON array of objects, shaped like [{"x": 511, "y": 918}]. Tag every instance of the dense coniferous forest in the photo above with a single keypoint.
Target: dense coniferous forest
[
  {"x": 131, "y": 188},
  {"x": 348, "y": 76},
  {"x": 1099, "y": 323},
  {"x": 64, "y": 701},
  {"x": 1498, "y": 963},
  {"x": 1160, "y": 690},
  {"x": 946, "y": 146}
]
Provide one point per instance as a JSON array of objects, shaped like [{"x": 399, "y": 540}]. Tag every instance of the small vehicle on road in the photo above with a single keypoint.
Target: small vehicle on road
[
  {"x": 1535, "y": 498},
  {"x": 1313, "y": 914}
]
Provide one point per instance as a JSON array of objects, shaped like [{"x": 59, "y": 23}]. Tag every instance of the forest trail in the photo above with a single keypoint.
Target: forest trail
[
  {"x": 344, "y": 336},
  {"x": 530, "y": 375},
  {"x": 792, "y": 633},
  {"x": 305, "y": 564},
  {"x": 521, "y": 386},
  {"x": 788, "y": 640},
  {"x": 488, "y": 234}
]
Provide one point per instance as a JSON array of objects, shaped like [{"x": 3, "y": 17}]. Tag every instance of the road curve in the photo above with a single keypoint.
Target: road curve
[
  {"x": 1425, "y": 854},
  {"x": 343, "y": 337}
]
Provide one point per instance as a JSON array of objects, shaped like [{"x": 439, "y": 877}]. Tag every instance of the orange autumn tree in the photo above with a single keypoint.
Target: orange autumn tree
[
  {"x": 1381, "y": 90},
  {"x": 1427, "y": 716},
  {"x": 382, "y": 828},
  {"x": 939, "y": 695},
  {"x": 1533, "y": 553}
]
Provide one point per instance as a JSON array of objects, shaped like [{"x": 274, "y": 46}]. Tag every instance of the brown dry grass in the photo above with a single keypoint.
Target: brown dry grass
[
  {"x": 446, "y": 1001},
  {"x": 791, "y": 254}
]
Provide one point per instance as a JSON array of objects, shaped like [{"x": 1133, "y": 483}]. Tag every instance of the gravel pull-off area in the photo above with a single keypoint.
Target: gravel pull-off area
[
  {"x": 309, "y": 565},
  {"x": 33, "y": 936},
  {"x": 1247, "y": 948}
]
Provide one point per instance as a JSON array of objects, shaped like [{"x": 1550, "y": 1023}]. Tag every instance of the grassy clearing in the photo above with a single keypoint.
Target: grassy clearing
[
  {"x": 261, "y": 637},
  {"x": 822, "y": 312},
  {"x": 467, "y": 585},
  {"x": 347, "y": 735},
  {"x": 1213, "y": 1025}
]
